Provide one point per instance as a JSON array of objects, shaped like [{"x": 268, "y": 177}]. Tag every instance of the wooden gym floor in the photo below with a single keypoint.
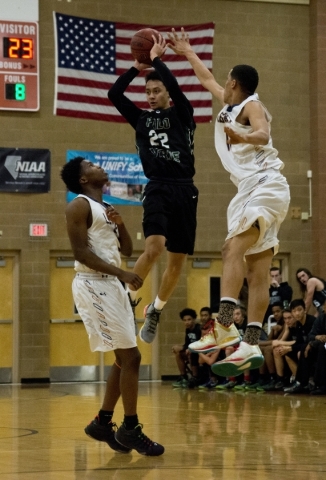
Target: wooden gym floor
[{"x": 207, "y": 435}]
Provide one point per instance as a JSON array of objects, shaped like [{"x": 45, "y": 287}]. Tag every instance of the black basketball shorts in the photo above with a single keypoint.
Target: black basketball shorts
[{"x": 170, "y": 210}]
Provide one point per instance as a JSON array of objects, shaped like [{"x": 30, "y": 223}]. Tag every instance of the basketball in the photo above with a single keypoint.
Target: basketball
[{"x": 142, "y": 43}]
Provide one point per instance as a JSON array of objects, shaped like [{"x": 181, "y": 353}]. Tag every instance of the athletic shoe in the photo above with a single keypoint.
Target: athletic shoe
[
  {"x": 180, "y": 383},
  {"x": 134, "y": 304},
  {"x": 105, "y": 433},
  {"x": 244, "y": 358},
  {"x": 280, "y": 385},
  {"x": 296, "y": 388},
  {"x": 219, "y": 337},
  {"x": 227, "y": 385},
  {"x": 243, "y": 386},
  {"x": 148, "y": 330},
  {"x": 268, "y": 387},
  {"x": 193, "y": 382},
  {"x": 255, "y": 385},
  {"x": 137, "y": 440},
  {"x": 210, "y": 384}
]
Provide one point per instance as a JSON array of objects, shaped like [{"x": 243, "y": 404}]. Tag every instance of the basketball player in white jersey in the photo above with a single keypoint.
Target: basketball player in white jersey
[
  {"x": 97, "y": 235},
  {"x": 244, "y": 145}
]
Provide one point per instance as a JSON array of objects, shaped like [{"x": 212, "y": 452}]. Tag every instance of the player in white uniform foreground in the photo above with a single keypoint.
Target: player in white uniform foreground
[
  {"x": 244, "y": 145},
  {"x": 97, "y": 235}
]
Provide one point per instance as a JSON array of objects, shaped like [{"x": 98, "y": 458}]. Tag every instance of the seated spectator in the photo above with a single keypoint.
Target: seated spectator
[
  {"x": 295, "y": 339},
  {"x": 207, "y": 359},
  {"x": 279, "y": 292},
  {"x": 206, "y": 320},
  {"x": 183, "y": 356},
  {"x": 277, "y": 313},
  {"x": 313, "y": 289},
  {"x": 267, "y": 372},
  {"x": 311, "y": 371},
  {"x": 280, "y": 347}
]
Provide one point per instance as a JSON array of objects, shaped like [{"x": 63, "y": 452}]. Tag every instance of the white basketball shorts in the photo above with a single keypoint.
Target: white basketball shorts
[
  {"x": 105, "y": 310},
  {"x": 264, "y": 197}
]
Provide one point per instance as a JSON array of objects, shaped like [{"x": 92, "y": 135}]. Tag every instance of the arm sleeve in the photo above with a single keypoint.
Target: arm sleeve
[
  {"x": 122, "y": 103},
  {"x": 183, "y": 106}
]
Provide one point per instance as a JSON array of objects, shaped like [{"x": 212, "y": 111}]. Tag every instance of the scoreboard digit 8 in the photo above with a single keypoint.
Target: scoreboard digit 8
[{"x": 19, "y": 70}]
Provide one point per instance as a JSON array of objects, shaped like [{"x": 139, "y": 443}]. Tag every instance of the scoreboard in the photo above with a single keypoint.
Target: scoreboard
[{"x": 19, "y": 69}]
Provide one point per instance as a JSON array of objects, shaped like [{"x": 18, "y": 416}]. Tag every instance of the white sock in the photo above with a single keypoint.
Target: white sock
[
  {"x": 254, "y": 324},
  {"x": 132, "y": 294},
  {"x": 158, "y": 304},
  {"x": 228, "y": 299}
]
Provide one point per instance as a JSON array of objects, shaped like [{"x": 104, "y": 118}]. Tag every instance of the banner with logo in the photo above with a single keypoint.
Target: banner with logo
[
  {"x": 126, "y": 175},
  {"x": 25, "y": 170}
]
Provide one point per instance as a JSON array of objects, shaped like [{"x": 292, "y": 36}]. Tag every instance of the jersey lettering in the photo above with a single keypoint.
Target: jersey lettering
[
  {"x": 167, "y": 154},
  {"x": 158, "y": 139},
  {"x": 224, "y": 117},
  {"x": 158, "y": 123}
]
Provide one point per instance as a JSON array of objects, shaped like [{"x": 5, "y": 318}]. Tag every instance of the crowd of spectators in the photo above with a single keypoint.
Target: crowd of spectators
[{"x": 293, "y": 343}]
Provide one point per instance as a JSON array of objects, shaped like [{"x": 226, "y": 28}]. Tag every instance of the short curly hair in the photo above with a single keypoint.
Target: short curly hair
[
  {"x": 188, "y": 311},
  {"x": 247, "y": 77},
  {"x": 70, "y": 174}
]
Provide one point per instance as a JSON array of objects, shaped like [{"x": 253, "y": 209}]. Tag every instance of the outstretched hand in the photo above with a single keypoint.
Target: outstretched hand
[{"x": 179, "y": 43}]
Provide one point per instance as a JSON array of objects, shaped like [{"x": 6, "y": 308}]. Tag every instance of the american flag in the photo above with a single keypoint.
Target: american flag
[{"x": 92, "y": 54}]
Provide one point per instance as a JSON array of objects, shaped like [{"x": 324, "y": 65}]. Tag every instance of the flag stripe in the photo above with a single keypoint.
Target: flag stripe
[
  {"x": 98, "y": 100},
  {"x": 92, "y": 54},
  {"x": 139, "y": 88},
  {"x": 133, "y": 94}
]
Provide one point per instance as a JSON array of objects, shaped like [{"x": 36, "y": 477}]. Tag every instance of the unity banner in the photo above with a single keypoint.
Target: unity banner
[{"x": 126, "y": 175}]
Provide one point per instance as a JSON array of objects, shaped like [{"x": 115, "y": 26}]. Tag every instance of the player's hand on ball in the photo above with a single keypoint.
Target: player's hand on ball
[
  {"x": 141, "y": 66},
  {"x": 158, "y": 48}
]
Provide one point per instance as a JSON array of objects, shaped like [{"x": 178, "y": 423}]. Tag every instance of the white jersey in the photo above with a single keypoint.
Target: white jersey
[
  {"x": 243, "y": 160},
  {"x": 102, "y": 237}
]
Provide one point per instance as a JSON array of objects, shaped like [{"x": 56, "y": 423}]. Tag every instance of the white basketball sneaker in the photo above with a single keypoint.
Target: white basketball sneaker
[
  {"x": 219, "y": 337},
  {"x": 246, "y": 357}
]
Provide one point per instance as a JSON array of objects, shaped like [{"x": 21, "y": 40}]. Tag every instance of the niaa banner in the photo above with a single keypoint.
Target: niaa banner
[{"x": 126, "y": 175}]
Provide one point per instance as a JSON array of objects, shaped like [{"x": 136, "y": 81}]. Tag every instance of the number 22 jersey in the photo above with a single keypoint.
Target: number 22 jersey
[{"x": 164, "y": 137}]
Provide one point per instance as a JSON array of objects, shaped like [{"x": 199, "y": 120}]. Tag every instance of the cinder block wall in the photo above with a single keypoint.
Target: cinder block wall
[{"x": 272, "y": 37}]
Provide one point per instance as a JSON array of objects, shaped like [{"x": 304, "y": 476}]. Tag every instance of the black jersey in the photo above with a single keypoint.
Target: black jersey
[
  {"x": 192, "y": 335},
  {"x": 300, "y": 332},
  {"x": 319, "y": 298},
  {"x": 165, "y": 137}
]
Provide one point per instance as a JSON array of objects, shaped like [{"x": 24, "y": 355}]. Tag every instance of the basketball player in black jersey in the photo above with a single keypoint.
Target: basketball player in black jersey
[{"x": 164, "y": 140}]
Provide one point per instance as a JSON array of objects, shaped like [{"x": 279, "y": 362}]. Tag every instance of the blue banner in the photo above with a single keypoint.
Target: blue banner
[{"x": 125, "y": 171}]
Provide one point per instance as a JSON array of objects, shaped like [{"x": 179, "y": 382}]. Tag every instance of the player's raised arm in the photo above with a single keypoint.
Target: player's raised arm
[{"x": 179, "y": 43}]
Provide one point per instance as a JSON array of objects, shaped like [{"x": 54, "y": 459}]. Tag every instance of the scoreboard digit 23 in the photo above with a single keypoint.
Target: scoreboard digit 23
[{"x": 19, "y": 69}]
